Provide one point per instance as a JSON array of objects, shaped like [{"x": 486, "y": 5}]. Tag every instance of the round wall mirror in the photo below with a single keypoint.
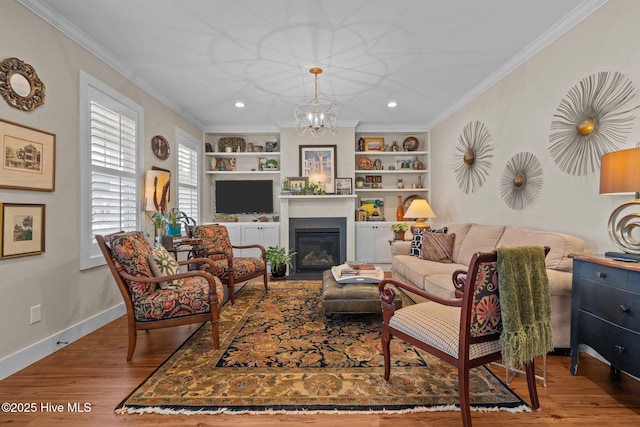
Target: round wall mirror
[{"x": 20, "y": 85}]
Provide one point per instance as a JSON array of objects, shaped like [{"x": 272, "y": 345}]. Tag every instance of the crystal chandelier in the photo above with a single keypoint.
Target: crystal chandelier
[{"x": 316, "y": 115}]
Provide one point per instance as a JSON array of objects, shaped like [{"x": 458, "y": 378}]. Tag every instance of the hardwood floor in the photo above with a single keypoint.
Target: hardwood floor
[{"x": 93, "y": 370}]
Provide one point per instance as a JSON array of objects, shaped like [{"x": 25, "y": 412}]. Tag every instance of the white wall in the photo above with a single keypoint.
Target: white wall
[
  {"x": 68, "y": 296},
  {"x": 518, "y": 111}
]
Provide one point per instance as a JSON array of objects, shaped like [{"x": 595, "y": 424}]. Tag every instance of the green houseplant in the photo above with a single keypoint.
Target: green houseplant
[
  {"x": 279, "y": 258},
  {"x": 399, "y": 229},
  {"x": 174, "y": 218}
]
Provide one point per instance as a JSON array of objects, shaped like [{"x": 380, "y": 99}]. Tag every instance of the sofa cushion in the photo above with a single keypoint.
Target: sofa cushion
[
  {"x": 415, "y": 269},
  {"x": 437, "y": 247},
  {"x": 562, "y": 245},
  {"x": 460, "y": 230},
  {"x": 479, "y": 238},
  {"x": 416, "y": 241}
]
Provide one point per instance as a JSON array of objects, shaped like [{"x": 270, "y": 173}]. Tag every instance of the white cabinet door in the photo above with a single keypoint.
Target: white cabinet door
[
  {"x": 261, "y": 234},
  {"x": 372, "y": 242}
]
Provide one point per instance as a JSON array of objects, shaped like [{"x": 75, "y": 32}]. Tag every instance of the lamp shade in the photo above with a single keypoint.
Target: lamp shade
[
  {"x": 620, "y": 172},
  {"x": 419, "y": 208},
  {"x": 155, "y": 195}
]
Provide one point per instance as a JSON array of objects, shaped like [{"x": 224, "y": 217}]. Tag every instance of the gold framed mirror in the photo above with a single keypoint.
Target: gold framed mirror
[{"x": 20, "y": 85}]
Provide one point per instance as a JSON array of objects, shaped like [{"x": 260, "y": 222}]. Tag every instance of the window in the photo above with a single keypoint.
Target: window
[
  {"x": 110, "y": 135},
  {"x": 188, "y": 173}
]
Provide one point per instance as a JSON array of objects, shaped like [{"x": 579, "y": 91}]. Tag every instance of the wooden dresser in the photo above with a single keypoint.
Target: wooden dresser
[{"x": 605, "y": 311}]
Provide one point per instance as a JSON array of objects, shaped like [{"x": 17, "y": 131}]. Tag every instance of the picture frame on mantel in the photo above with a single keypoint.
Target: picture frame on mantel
[
  {"x": 319, "y": 164},
  {"x": 28, "y": 158},
  {"x": 22, "y": 229}
]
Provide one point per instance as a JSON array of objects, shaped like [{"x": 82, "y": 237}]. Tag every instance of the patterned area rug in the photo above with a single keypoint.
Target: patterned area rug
[{"x": 280, "y": 354}]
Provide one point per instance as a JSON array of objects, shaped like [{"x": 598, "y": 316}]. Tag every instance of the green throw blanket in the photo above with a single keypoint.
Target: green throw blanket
[{"x": 525, "y": 304}]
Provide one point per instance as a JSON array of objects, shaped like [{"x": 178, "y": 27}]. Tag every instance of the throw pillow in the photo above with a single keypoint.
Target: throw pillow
[
  {"x": 416, "y": 242},
  {"x": 164, "y": 264},
  {"x": 437, "y": 247}
]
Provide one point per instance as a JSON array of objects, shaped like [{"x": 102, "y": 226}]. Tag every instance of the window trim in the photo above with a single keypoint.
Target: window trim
[
  {"x": 187, "y": 139},
  {"x": 90, "y": 254}
]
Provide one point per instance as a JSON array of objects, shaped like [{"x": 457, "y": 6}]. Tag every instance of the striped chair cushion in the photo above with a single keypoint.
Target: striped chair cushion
[{"x": 438, "y": 326}]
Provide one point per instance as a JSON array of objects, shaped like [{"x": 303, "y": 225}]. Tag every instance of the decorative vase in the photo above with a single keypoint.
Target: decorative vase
[{"x": 399, "y": 210}]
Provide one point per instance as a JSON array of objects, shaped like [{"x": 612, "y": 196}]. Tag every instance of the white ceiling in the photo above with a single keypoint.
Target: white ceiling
[{"x": 201, "y": 56}]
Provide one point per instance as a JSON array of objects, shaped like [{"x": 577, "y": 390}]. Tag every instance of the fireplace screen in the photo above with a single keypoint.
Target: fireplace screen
[{"x": 317, "y": 250}]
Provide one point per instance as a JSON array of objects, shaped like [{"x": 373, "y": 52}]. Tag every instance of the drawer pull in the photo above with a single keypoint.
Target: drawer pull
[
  {"x": 623, "y": 309},
  {"x": 619, "y": 348},
  {"x": 601, "y": 275}
]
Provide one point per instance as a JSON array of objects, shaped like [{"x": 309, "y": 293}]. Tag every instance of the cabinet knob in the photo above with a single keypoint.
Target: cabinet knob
[
  {"x": 601, "y": 275},
  {"x": 619, "y": 348},
  {"x": 623, "y": 309}
]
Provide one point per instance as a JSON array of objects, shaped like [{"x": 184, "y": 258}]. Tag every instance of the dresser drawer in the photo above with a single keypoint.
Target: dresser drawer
[
  {"x": 614, "y": 305},
  {"x": 602, "y": 274},
  {"x": 619, "y": 346}
]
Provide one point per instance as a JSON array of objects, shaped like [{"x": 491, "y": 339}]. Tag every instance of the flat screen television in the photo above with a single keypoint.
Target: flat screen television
[{"x": 244, "y": 196}]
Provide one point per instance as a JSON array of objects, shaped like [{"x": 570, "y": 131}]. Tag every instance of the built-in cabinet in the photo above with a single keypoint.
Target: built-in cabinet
[
  {"x": 250, "y": 233},
  {"x": 372, "y": 242},
  {"x": 387, "y": 167}
]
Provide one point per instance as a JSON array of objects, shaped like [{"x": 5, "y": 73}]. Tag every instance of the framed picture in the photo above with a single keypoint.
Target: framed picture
[
  {"x": 319, "y": 163},
  {"x": 296, "y": 183},
  {"x": 22, "y": 232},
  {"x": 374, "y": 144},
  {"x": 404, "y": 163},
  {"x": 343, "y": 185},
  {"x": 28, "y": 158}
]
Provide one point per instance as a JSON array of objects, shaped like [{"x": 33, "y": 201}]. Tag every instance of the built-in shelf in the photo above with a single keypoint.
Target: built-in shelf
[
  {"x": 323, "y": 196},
  {"x": 243, "y": 154},
  {"x": 392, "y": 190},
  {"x": 391, "y": 153},
  {"x": 275, "y": 172}
]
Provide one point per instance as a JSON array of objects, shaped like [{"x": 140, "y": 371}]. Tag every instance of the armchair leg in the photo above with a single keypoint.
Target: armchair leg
[
  {"x": 232, "y": 288},
  {"x": 133, "y": 336},
  {"x": 463, "y": 391},
  {"x": 266, "y": 281},
  {"x": 386, "y": 353},
  {"x": 531, "y": 383}
]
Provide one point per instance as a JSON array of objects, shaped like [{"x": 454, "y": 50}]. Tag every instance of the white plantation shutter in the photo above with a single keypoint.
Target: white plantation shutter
[
  {"x": 188, "y": 182},
  {"x": 110, "y": 146}
]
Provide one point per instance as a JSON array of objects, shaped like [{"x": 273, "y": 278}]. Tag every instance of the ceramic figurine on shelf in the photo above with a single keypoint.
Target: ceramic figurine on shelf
[
  {"x": 361, "y": 144},
  {"x": 395, "y": 146}
]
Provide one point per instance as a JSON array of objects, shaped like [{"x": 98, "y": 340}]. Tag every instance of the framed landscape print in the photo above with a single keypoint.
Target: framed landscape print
[
  {"x": 319, "y": 163},
  {"x": 22, "y": 232},
  {"x": 343, "y": 185},
  {"x": 28, "y": 158},
  {"x": 374, "y": 144}
]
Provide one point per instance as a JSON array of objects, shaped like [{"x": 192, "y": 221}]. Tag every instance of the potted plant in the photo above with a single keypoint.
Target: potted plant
[
  {"x": 174, "y": 218},
  {"x": 279, "y": 258},
  {"x": 399, "y": 229}
]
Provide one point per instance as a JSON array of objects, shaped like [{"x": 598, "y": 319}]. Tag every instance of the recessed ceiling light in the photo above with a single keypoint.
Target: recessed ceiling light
[
  {"x": 392, "y": 104},
  {"x": 239, "y": 104}
]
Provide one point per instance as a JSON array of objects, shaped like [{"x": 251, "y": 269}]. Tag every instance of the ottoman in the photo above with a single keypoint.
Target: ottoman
[{"x": 351, "y": 297}]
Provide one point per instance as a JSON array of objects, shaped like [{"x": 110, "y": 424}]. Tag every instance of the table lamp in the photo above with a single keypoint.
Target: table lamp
[
  {"x": 620, "y": 174},
  {"x": 419, "y": 209}
]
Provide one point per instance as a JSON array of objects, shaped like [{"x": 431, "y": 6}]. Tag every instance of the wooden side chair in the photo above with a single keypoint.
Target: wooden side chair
[
  {"x": 193, "y": 297},
  {"x": 464, "y": 332},
  {"x": 216, "y": 245}
]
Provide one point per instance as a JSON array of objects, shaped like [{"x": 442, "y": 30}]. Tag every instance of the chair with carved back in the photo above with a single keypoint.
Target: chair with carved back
[
  {"x": 216, "y": 245},
  {"x": 464, "y": 332},
  {"x": 188, "y": 297}
]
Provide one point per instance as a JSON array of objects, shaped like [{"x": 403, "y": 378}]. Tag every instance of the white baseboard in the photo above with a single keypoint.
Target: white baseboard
[{"x": 28, "y": 355}]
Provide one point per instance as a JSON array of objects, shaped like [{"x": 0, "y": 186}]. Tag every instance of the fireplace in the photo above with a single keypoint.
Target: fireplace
[{"x": 319, "y": 243}]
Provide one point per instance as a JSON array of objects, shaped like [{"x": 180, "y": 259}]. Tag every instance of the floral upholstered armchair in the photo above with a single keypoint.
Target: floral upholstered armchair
[
  {"x": 156, "y": 294},
  {"x": 216, "y": 245}
]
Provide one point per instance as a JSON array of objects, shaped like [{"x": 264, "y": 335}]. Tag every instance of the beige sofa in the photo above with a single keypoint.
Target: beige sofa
[{"x": 435, "y": 277}]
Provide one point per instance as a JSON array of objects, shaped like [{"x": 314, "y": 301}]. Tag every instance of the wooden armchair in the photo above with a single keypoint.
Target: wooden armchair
[
  {"x": 149, "y": 306},
  {"x": 216, "y": 245},
  {"x": 464, "y": 332}
]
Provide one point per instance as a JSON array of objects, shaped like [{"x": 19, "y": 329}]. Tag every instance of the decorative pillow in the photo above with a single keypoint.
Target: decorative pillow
[
  {"x": 416, "y": 242},
  {"x": 164, "y": 264},
  {"x": 437, "y": 247}
]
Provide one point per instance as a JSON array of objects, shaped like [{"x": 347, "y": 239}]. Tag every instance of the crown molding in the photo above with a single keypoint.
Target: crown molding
[{"x": 587, "y": 8}]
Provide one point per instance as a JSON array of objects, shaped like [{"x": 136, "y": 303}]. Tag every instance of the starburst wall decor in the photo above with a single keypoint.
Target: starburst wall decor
[
  {"x": 472, "y": 157},
  {"x": 594, "y": 116},
  {"x": 521, "y": 180}
]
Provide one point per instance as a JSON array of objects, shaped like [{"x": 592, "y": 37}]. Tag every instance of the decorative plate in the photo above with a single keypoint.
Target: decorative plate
[
  {"x": 411, "y": 143},
  {"x": 160, "y": 147},
  {"x": 409, "y": 199},
  {"x": 235, "y": 142},
  {"x": 365, "y": 163}
]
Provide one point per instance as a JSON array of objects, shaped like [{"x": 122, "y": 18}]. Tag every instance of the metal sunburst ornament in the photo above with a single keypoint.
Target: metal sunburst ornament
[
  {"x": 472, "y": 157},
  {"x": 521, "y": 180},
  {"x": 593, "y": 117}
]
